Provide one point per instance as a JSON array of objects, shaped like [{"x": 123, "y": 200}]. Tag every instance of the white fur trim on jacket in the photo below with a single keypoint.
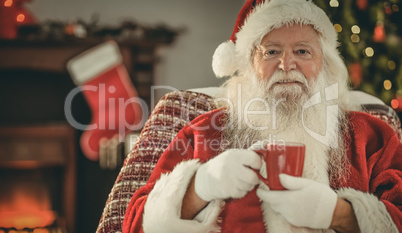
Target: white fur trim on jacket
[
  {"x": 163, "y": 207},
  {"x": 372, "y": 216}
]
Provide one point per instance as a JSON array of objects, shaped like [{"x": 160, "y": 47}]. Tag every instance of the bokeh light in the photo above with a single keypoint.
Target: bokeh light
[
  {"x": 20, "y": 18},
  {"x": 369, "y": 52},
  {"x": 387, "y": 85}
]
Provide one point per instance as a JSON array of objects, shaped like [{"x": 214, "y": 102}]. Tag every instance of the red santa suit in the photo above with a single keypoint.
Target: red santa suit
[{"x": 374, "y": 187}]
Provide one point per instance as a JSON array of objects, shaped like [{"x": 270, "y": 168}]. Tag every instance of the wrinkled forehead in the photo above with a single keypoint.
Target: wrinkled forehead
[
  {"x": 293, "y": 35},
  {"x": 295, "y": 32}
]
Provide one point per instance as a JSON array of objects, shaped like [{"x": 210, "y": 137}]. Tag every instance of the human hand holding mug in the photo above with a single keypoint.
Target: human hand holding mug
[
  {"x": 305, "y": 203},
  {"x": 302, "y": 202},
  {"x": 228, "y": 175}
]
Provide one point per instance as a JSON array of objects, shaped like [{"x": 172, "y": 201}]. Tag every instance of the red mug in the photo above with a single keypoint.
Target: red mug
[{"x": 287, "y": 158}]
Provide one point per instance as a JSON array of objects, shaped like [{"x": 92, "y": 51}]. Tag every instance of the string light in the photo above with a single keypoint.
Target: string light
[
  {"x": 334, "y": 3},
  {"x": 8, "y": 3},
  {"x": 368, "y": 52},
  {"x": 20, "y": 18},
  {"x": 338, "y": 27},
  {"x": 355, "y": 29},
  {"x": 391, "y": 65},
  {"x": 379, "y": 32},
  {"x": 387, "y": 85},
  {"x": 394, "y": 103},
  {"x": 355, "y": 38}
]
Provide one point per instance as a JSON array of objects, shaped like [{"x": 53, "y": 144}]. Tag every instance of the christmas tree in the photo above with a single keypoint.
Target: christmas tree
[{"x": 370, "y": 34}]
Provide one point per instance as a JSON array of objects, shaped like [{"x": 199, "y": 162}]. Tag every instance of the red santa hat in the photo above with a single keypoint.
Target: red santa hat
[{"x": 256, "y": 19}]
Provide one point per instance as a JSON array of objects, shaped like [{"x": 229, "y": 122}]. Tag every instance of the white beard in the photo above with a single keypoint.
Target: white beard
[{"x": 283, "y": 121}]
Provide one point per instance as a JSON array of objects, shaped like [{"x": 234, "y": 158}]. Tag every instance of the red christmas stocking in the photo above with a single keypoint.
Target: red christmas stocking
[{"x": 111, "y": 96}]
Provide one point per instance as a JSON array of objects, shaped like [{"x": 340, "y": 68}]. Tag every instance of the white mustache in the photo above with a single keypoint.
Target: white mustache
[{"x": 287, "y": 77}]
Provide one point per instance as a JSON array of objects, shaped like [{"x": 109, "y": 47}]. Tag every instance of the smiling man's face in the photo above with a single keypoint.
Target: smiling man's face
[{"x": 289, "y": 49}]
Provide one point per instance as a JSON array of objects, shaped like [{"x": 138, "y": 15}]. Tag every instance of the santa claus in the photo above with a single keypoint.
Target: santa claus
[{"x": 287, "y": 83}]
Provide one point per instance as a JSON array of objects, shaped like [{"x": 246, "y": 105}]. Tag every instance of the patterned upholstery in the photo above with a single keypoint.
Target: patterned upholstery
[
  {"x": 173, "y": 112},
  {"x": 386, "y": 114}
]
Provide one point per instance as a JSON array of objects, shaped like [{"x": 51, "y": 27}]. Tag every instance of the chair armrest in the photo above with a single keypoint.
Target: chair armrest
[{"x": 173, "y": 112}]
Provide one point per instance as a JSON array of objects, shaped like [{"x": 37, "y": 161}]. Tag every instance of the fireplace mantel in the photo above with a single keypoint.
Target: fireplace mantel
[{"x": 139, "y": 57}]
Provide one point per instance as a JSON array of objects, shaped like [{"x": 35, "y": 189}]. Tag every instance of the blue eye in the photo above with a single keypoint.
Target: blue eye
[
  {"x": 302, "y": 51},
  {"x": 271, "y": 52}
]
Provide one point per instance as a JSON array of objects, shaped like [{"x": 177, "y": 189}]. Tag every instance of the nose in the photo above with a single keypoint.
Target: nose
[{"x": 287, "y": 62}]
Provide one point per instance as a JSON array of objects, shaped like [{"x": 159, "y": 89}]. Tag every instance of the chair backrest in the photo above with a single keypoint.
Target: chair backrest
[
  {"x": 377, "y": 108},
  {"x": 172, "y": 113}
]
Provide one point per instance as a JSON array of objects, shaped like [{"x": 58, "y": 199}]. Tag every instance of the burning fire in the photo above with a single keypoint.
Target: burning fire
[
  {"x": 23, "y": 219},
  {"x": 24, "y": 207}
]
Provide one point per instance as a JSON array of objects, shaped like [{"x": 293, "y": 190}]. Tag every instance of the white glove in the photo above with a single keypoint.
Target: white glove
[
  {"x": 258, "y": 145},
  {"x": 228, "y": 175},
  {"x": 306, "y": 203}
]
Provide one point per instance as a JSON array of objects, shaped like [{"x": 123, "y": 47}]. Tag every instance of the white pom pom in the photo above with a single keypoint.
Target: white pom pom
[{"x": 224, "y": 60}]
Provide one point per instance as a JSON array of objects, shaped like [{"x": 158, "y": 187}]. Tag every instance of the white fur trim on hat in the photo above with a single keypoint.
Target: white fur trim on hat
[
  {"x": 372, "y": 215},
  {"x": 163, "y": 206},
  {"x": 224, "y": 60}
]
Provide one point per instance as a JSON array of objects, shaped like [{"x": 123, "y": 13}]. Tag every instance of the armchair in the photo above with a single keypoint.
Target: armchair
[{"x": 173, "y": 112}]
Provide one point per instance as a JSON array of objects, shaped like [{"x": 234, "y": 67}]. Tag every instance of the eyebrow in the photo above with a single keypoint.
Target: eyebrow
[
  {"x": 270, "y": 44},
  {"x": 303, "y": 43}
]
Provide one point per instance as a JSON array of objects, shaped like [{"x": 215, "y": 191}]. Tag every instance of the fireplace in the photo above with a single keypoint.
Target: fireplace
[
  {"x": 39, "y": 151},
  {"x": 37, "y": 178}
]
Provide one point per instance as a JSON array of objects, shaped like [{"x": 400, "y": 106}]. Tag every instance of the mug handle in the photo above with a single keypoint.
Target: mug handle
[{"x": 257, "y": 172}]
